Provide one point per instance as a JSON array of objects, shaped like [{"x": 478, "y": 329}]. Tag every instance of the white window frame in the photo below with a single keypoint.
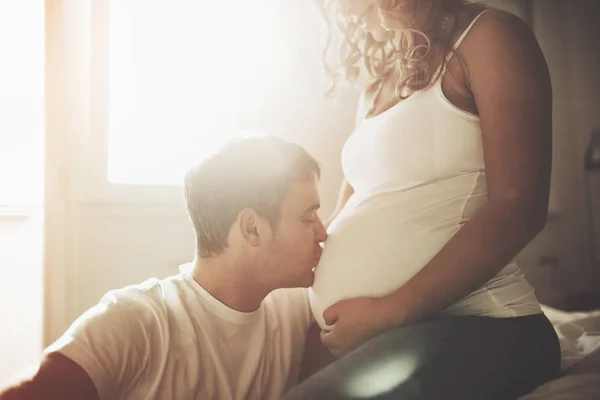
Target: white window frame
[{"x": 95, "y": 177}]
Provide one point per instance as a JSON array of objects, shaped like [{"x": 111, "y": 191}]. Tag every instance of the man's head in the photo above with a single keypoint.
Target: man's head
[{"x": 255, "y": 201}]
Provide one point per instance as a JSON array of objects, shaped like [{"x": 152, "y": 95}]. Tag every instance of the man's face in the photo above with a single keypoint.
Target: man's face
[{"x": 296, "y": 245}]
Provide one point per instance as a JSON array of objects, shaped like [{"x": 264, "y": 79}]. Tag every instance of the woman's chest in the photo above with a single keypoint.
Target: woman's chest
[{"x": 416, "y": 141}]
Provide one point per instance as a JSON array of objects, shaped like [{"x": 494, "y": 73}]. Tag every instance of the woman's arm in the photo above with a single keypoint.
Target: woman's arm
[{"x": 510, "y": 82}]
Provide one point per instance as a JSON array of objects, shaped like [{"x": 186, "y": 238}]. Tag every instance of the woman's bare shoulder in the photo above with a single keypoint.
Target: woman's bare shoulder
[
  {"x": 501, "y": 46},
  {"x": 498, "y": 30}
]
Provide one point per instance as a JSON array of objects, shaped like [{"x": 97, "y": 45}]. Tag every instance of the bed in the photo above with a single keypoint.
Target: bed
[{"x": 579, "y": 335}]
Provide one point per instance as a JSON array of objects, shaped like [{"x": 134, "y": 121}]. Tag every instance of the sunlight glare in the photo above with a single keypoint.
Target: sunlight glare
[
  {"x": 177, "y": 70},
  {"x": 381, "y": 376}
]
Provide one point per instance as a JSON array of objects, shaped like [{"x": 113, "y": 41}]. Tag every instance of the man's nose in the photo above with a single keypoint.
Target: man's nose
[{"x": 320, "y": 232}]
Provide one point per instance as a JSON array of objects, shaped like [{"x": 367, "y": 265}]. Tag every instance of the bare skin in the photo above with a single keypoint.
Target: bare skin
[{"x": 57, "y": 378}]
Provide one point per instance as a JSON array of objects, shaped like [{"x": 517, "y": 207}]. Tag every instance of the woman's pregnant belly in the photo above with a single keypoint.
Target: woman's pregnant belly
[{"x": 377, "y": 245}]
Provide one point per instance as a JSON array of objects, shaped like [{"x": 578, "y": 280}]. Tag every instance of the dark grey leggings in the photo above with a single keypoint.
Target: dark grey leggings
[{"x": 448, "y": 358}]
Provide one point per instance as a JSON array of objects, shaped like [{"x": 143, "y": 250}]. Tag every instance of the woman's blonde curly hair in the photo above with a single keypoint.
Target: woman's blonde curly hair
[{"x": 419, "y": 42}]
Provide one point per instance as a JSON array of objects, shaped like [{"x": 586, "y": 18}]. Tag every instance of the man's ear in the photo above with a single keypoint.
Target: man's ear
[{"x": 252, "y": 227}]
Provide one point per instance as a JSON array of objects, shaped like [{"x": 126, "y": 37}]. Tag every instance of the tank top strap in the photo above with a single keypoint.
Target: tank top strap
[{"x": 463, "y": 35}]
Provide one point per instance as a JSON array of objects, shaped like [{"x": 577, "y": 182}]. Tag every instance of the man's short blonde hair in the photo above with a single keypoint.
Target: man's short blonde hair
[{"x": 254, "y": 172}]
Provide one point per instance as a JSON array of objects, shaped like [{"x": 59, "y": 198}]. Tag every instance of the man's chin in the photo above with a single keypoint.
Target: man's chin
[
  {"x": 307, "y": 280},
  {"x": 310, "y": 280},
  {"x": 304, "y": 281}
]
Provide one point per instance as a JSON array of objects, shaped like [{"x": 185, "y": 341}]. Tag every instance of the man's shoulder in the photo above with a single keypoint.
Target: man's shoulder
[
  {"x": 146, "y": 297},
  {"x": 132, "y": 311},
  {"x": 117, "y": 335},
  {"x": 134, "y": 295}
]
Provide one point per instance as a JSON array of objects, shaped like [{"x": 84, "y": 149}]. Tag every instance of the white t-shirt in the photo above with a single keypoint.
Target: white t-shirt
[{"x": 170, "y": 339}]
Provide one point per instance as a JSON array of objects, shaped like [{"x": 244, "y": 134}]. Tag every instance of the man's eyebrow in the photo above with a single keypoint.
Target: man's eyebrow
[{"x": 314, "y": 207}]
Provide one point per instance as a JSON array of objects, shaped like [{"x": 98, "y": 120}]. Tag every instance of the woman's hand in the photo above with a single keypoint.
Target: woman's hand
[{"x": 355, "y": 321}]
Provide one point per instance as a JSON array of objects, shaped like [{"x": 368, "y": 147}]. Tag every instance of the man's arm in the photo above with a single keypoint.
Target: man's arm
[
  {"x": 102, "y": 350},
  {"x": 56, "y": 378}
]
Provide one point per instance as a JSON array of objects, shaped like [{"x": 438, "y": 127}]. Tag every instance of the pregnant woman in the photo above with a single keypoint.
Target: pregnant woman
[{"x": 447, "y": 178}]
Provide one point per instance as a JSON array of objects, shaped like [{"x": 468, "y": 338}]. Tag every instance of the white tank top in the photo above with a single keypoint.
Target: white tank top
[{"x": 418, "y": 174}]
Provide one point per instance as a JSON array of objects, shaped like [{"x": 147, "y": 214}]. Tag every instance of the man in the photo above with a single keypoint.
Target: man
[{"x": 220, "y": 329}]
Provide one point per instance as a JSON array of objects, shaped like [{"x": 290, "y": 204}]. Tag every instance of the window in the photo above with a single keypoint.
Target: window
[
  {"x": 178, "y": 71},
  {"x": 21, "y": 183},
  {"x": 21, "y": 102}
]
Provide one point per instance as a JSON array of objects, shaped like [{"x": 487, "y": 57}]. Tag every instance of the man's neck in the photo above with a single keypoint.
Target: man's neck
[{"x": 229, "y": 282}]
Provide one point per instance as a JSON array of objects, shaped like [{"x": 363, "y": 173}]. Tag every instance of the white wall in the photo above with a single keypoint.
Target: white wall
[{"x": 559, "y": 260}]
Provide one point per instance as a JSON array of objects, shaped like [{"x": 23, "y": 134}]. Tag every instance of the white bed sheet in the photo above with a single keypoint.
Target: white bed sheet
[
  {"x": 579, "y": 335},
  {"x": 569, "y": 387}
]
